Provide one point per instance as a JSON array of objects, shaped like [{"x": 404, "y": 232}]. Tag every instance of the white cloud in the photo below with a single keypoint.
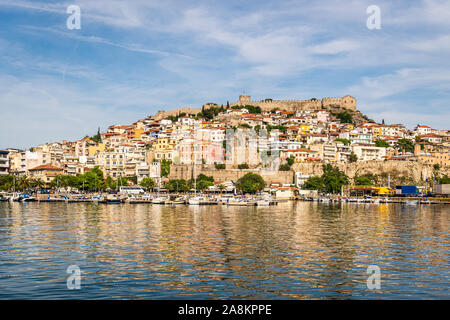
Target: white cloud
[
  {"x": 401, "y": 81},
  {"x": 212, "y": 51}
]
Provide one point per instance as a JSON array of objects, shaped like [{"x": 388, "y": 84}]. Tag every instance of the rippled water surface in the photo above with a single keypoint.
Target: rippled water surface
[{"x": 296, "y": 250}]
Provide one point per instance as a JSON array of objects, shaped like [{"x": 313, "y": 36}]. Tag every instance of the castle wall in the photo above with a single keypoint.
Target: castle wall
[
  {"x": 164, "y": 114},
  {"x": 185, "y": 172},
  {"x": 347, "y": 102},
  {"x": 409, "y": 171}
]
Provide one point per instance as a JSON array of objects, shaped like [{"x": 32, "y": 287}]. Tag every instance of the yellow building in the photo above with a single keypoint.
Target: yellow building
[
  {"x": 135, "y": 133},
  {"x": 97, "y": 148},
  {"x": 164, "y": 147},
  {"x": 440, "y": 158},
  {"x": 45, "y": 172},
  {"x": 377, "y": 130}
]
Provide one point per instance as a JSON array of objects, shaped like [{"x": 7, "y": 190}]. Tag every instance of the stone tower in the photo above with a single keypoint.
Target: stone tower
[
  {"x": 244, "y": 99},
  {"x": 349, "y": 102}
]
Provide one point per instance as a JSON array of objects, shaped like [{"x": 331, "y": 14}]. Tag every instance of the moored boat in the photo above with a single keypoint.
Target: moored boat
[
  {"x": 113, "y": 198},
  {"x": 159, "y": 200},
  {"x": 195, "y": 200}
]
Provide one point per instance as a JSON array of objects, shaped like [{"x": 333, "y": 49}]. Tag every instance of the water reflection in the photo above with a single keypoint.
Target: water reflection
[{"x": 294, "y": 250}]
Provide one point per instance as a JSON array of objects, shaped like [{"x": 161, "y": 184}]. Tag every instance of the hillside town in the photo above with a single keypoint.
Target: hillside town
[{"x": 160, "y": 146}]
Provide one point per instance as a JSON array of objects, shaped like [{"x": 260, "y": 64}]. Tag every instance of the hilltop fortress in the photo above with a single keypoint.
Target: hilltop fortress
[
  {"x": 335, "y": 104},
  {"x": 346, "y": 102}
]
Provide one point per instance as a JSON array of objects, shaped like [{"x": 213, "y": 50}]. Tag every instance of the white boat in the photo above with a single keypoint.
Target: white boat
[
  {"x": 147, "y": 197},
  {"x": 25, "y": 197},
  {"x": 196, "y": 200},
  {"x": 263, "y": 202},
  {"x": 412, "y": 202},
  {"x": 14, "y": 197},
  {"x": 239, "y": 202},
  {"x": 98, "y": 198},
  {"x": 159, "y": 200},
  {"x": 179, "y": 200}
]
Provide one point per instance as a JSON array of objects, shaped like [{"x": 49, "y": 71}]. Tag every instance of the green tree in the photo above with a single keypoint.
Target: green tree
[
  {"x": 382, "y": 143},
  {"x": 363, "y": 181},
  {"x": 203, "y": 184},
  {"x": 444, "y": 180},
  {"x": 122, "y": 182},
  {"x": 283, "y": 129},
  {"x": 24, "y": 183},
  {"x": 243, "y": 166},
  {"x": 221, "y": 187},
  {"x": 290, "y": 161},
  {"x": 244, "y": 125},
  {"x": 419, "y": 139},
  {"x": 110, "y": 183},
  {"x": 333, "y": 178},
  {"x": 148, "y": 183},
  {"x": 6, "y": 182},
  {"x": 344, "y": 141},
  {"x": 250, "y": 183},
  {"x": 202, "y": 177},
  {"x": 177, "y": 185},
  {"x": 165, "y": 167},
  {"x": 98, "y": 137},
  {"x": 353, "y": 157},
  {"x": 314, "y": 183},
  {"x": 405, "y": 145},
  {"x": 284, "y": 167},
  {"x": 38, "y": 183},
  {"x": 219, "y": 166},
  {"x": 252, "y": 109},
  {"x": 344, "y": 117}
]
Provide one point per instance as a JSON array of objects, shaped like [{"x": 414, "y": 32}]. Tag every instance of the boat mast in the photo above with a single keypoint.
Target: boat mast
[{"x": 195, "y": 160}]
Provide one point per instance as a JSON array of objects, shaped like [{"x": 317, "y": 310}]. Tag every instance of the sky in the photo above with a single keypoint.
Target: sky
[{"x": 130, "y": 59}]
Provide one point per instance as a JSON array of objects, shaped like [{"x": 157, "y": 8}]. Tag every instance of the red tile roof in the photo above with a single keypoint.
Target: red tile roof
[{"x": 45, "y": 167}]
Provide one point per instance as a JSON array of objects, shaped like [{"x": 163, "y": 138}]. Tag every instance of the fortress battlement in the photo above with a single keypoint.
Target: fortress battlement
[{"x": 346, "y": 102}]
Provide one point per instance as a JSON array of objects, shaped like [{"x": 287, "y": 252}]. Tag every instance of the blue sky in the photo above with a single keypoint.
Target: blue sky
[{"x": 132, "y": 58}]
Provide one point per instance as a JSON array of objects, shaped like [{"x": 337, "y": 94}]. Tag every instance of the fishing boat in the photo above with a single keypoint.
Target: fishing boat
[
  {"x": 98, "y": 198},
  {"x": 14, "y": 197},
  {"x": 4, "y": 197},
  {"x": 412, "y": 202},
  {"x": 197, "y": 200},
  {"x": 159, "y": 200},
  {"x": 238, "y": 202},
  {"x": 26, "y": 197},
  {"x": 113, "y": 198},
  {"x": 179, "y": 200},
  {"x": 264, "y": 200},
  {"x": 147, "y": 197}
]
